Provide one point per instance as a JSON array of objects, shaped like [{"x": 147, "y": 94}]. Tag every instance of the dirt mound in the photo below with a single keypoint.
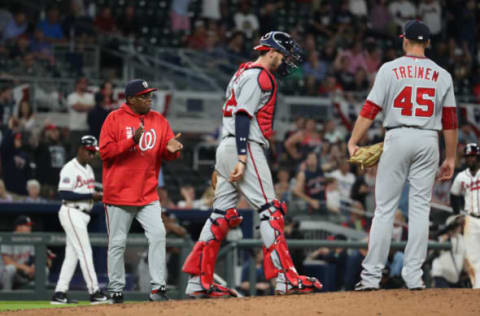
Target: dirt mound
[{"x": 391, "y": 302}]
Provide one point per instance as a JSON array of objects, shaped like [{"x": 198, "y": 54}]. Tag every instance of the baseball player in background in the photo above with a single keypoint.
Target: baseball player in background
[
  {"x": 417, "y": 99},
  {"x": 133, "y": 142},
  {"x": 76, "y": 189},
  {"x": 242, "y": 168},
  {"x": 466, "y": 183}
]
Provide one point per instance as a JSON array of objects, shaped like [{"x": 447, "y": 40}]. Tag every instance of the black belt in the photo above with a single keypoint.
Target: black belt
[
  {"x": 473, "y": 215},
  {"x": 409, "y": 126},
  {"x": 83, "y": 210}
]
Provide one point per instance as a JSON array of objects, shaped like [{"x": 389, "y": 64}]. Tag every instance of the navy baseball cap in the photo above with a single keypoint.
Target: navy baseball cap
[
  {"x": 23, "y": 220},
  {"x": 416, "y": 30},
  {"x": 137, "y": 87}
]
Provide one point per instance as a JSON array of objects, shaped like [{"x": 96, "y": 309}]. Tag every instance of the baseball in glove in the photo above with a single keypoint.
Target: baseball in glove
[{"x": 367, "y": 156}]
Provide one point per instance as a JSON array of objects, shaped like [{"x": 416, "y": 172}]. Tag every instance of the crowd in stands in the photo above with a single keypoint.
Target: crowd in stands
[{"x": 345, "y": 41}]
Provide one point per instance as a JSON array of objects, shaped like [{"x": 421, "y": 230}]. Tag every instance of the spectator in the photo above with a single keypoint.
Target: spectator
[
  {"x": 358, "y": 8},
  {"x": 315, "y": 67},
  {"x": 322, "y": 20},
  {"x": 78, "y": 25},
  {"x": 79, "y": 103},
  {"x": 299, "y": 125},
  {"x": 51, "y": 27},
  {"x": 21, "y": 48},
  {"x": 332, "y": 196},
  {"x": 345, "y": 179},
  {"x": 5, "y": 197},
  {"x": 236, "y": 45},
  {"x": 41, "y": 48},
  {"x": 97, "y": 115},
  {"x": 198, "y": 38},
  {"x": 310, "y": 186},
  {"x": 180, "y": 21},
  {"x": 245, "y": 20},
  {"x": 380, "y": 18},
  {"x": 51, "y": 156},
  {"x": 7, "y": 103},
  {"x": 304, "y": 141},
  {"x": 402, "y": 11},
  {"x": 268, "y": 15},
  {"x": 16, "y": 26},
  {"x": 16, "y": 161},
  {"x": 211, "y": 9},
  {"x": 26, "y": 118},
  {"x": 19, "y": 265},
  {"x": 33, "y": 189},
  {"x": 430, "y": 12},
  {"x": 105, "y": 22}
]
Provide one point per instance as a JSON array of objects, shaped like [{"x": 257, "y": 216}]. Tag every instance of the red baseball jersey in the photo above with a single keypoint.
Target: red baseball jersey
[{"x": 130, "y": 171}]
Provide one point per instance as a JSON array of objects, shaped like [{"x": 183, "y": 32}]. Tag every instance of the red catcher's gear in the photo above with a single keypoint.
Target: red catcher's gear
[
  {"x": 299, "y": 283},
  {"x": 203, "y": 257},
  {"x": 130, "y": 171}
]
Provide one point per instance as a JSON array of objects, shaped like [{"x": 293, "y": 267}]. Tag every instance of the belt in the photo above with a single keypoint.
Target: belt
[
  {"x": 474, "y": 215},
  {"x": 410, "y": 126},
  {"x": 83, "y": 210}
]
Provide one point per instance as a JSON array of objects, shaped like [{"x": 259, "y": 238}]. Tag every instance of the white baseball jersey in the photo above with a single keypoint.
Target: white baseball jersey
[
  {"x": 246, "y": 94},
  {"x": 412, "y": 92},
  {"x": 468, "y": 185},
  {"x": 78, "y": 179}
]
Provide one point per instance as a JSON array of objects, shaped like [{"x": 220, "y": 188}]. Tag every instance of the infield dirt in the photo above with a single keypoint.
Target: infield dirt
[{"x": 457, "y": 302}]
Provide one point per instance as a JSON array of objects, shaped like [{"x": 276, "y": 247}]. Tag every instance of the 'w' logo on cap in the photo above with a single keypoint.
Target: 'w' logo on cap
[{"x": 145, "y": 84}]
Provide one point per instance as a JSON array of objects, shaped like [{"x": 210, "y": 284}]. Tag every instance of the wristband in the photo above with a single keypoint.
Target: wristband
[{"x": 244, "y": 162}]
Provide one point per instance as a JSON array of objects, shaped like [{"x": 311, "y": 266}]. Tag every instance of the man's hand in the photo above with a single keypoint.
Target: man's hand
[
  {"x": 138, "y": 133},
  {"x": 315, "y": 204},
  {"x": 446, "y": 170},
  {"x": 352, "y": 148},
  {"x": 238, "y": 171},
  {"x": 97, "y": 196},
  {"x": 174, "y": 145}
]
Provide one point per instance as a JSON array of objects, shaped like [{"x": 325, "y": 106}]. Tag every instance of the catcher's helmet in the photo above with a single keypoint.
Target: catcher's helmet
[
  {"x": 471, "y": 149},
  {"x": 285, "y": 44},
  {"x": 89, "y": 142}
]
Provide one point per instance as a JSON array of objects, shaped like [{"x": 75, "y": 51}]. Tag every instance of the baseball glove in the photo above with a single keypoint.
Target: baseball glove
[{"x": 367, "y": 156}]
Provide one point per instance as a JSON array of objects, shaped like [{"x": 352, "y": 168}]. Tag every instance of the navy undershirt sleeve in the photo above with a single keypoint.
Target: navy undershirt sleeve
[
  {"x": 242, "y": 128},
  {"x": 72, "y": 196}
]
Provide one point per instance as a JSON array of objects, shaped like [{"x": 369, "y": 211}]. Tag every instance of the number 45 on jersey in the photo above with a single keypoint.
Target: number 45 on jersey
[{"x": 424, "y": 106}]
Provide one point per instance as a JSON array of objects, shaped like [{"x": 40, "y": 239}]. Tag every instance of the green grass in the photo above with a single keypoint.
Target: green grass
[{"x": 22, "y": 305}]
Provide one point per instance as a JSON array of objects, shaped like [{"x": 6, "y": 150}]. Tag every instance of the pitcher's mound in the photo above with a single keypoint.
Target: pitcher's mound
[{"x": 386, "y": 302}]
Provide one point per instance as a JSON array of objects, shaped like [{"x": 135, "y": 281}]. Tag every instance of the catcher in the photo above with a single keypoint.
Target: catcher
[{"x": 367, "y": 156}]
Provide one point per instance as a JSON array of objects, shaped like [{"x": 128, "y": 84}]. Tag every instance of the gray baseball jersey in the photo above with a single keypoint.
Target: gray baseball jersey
[
  {"x": 247, "y": 92},
  {"x": 412, "y": 91}
]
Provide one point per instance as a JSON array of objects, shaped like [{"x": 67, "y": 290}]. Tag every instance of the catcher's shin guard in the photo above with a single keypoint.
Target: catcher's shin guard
[
  {"x": 294, "y": 283},
  {"x": 201, "y": 261}
]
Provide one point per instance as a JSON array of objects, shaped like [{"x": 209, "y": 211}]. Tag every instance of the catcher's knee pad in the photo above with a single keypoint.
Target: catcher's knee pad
[
  {"x": 277, "y": 211},
  {"x": 201, "y": 261}
]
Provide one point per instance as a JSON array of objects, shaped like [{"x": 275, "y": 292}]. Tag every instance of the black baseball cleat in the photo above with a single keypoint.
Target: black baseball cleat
[
  {"x": 359, "y": 287},
  {"x": 60, "y": 298},
  {"x": 116, "y": 298},
  {"x": 158, "y": 295},
  {"x": 99, "y": 297}
]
